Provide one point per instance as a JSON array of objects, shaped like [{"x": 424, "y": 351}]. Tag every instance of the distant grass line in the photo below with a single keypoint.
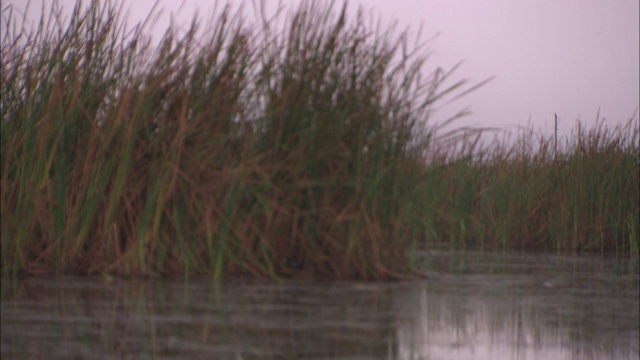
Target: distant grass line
[
  {"x": 302, "y": 153},
  {"x": 584, "y": 198}
]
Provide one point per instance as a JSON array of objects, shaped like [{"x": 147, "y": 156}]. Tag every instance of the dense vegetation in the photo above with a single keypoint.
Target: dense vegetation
[{"x": 305, "y": 151}]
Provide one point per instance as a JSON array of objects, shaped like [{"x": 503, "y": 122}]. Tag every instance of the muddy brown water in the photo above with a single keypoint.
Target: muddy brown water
[{"x": 473, "y": 306}]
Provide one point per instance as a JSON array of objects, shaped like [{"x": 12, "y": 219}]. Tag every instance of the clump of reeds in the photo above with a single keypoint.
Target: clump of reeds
[
  {"x": 306, "y": 151},
  {"x": 262, "y": 152}
]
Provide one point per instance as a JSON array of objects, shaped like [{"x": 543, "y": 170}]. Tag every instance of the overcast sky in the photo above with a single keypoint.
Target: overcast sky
[{"x": 568, "y": 57}]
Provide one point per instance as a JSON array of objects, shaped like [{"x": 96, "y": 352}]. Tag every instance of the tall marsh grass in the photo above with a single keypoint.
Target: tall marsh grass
[
  {"x": 525, "y": 194},
  {"x": 304, "y": 151}
]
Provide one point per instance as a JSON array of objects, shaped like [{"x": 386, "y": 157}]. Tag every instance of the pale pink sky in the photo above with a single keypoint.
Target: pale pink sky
[{"x": 568, "y": 57}]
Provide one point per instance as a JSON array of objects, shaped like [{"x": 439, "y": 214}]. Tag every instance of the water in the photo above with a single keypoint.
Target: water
[{"x": 474, "y": 306}]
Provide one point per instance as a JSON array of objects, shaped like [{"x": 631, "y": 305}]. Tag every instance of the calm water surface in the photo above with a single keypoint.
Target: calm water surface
[{"x": 474, "y": 306}]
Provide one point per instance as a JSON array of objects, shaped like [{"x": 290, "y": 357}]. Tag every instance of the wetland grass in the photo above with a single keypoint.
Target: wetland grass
[
  {"x": 301, "y": 152},
  {"x": 525, "y": 195}
]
